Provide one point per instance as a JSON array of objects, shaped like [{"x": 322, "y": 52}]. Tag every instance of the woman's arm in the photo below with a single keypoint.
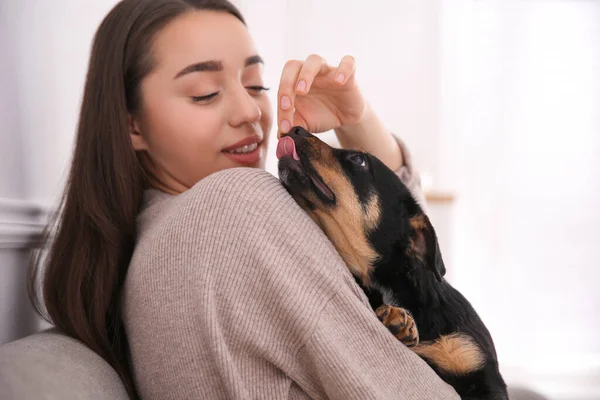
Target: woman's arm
[
  {"x": 370, "y": 135},
  {"x": 350, "y": 356}
]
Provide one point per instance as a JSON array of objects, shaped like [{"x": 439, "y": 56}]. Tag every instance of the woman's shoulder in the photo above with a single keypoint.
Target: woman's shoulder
[
  {"x": 243, "y": 192},
  {"x": 234, "y": 212}
]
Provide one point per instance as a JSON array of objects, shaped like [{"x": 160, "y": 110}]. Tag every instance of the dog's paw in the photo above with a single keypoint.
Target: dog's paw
[{"x": 400, "y": 323}]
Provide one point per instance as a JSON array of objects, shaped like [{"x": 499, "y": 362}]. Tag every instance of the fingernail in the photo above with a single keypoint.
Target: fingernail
[
  {"x": 340, "y": 78},
  {"x": 285, "y": 102},
  {"x": 301, "y": 87},
  {"x": 285, "y": 126}
]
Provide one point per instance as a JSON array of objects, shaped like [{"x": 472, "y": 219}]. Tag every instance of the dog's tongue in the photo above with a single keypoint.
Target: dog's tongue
[{"x": 286, "y": 147}]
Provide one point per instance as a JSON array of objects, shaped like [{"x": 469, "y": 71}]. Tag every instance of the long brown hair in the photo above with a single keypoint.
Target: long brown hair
[{"x": 87, "y": 246}]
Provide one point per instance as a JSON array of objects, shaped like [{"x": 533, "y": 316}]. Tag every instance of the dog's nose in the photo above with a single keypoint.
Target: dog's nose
[{"x": 300, "y": 131}]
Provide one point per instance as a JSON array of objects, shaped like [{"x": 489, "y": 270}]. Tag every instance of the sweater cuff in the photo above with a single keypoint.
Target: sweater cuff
[{"x": 409, "y": 174}]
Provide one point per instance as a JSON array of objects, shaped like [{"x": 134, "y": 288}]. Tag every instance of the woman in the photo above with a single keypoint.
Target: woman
[{"x": 223, "y": 287}]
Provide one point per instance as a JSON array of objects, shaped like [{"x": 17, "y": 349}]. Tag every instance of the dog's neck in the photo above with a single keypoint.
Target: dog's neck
[{"x": 411, "y": 288}]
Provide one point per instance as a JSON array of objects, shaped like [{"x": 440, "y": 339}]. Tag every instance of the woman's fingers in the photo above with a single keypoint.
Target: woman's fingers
[
  {"x": 297, "y": 78},
  {"x": 313, "y": 66},
  {"x": 345, "y": 70},
  {"x": 286, "y": 94}
]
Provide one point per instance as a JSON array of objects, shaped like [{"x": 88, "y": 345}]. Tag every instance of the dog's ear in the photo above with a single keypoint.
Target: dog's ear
[{"x": 423, "y": 249}]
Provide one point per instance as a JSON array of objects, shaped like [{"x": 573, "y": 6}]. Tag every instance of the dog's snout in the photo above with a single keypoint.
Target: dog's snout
[{"x": 300, "y": 131}]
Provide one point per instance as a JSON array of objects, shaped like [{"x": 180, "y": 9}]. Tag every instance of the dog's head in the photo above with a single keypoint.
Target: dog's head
[{"x": 363, "y": 207}]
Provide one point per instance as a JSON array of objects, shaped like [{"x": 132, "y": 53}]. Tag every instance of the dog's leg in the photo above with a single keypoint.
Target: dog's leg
[
  {"x": 400, "y": 323},
  {"x": 396, "y": 319}
]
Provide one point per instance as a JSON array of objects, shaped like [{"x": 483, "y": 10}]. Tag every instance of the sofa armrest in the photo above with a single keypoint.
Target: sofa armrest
[{"x": 51, "y": 365}]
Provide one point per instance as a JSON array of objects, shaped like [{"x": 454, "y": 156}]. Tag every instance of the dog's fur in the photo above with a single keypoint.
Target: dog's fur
[{"x": 392, "y": 250}]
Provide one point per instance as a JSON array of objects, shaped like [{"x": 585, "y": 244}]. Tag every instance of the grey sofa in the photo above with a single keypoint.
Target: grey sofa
[{"x": 50, "y": 365}]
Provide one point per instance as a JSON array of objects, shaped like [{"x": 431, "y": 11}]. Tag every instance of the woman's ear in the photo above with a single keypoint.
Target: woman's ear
[{"x": 137, "y": 140}]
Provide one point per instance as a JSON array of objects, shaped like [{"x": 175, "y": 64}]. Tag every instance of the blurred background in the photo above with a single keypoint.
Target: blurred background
[{"x": 499, "y": 102}]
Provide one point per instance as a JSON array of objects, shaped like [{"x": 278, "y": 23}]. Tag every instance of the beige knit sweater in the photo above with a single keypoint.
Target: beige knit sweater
[{"x": 233, "y": 292}]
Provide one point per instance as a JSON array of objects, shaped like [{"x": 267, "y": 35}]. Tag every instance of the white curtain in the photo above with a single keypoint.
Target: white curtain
[{"x": 520, "y": 140}]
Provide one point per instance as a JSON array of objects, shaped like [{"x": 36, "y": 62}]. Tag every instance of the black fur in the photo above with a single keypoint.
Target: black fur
[{"x": 415, "y": 278}]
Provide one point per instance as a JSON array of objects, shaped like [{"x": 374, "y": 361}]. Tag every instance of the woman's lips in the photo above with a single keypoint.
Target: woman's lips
[
  {"x": 247, "y": 158},
  {"x": 245, "y": 142},
  {"x": 250, "y": 158}
]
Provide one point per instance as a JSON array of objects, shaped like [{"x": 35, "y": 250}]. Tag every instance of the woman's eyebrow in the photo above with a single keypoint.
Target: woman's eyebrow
[
  {"x": 215, "y": 66},
  {"x": 255, "y": 59},
  {"x": 210, "y": 66}
]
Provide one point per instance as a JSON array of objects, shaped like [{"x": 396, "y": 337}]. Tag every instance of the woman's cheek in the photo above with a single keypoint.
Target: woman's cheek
[{"x": 267, "y": 113}]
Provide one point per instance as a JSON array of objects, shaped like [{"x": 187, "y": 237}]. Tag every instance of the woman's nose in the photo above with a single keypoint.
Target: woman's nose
[{"x": 244, "y": 108}]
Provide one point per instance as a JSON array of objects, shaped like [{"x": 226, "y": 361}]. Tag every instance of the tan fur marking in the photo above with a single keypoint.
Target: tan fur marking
[
  {"x": 455, "y": 353},
  {"x": 358, "y": 255},
  {"x": 373, "y": 214},
  {"x": 418, "y": 222},
  {"x": 414, "y": 251},
  {"x": 346, "y": 224},
  {"x": 417, "y": 241}
]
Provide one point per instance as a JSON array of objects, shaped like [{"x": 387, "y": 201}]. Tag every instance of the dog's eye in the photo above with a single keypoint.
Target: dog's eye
[{"x": 358, "y": 159}]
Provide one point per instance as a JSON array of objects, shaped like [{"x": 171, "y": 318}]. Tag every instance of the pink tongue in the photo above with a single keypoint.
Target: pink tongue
[{"x": 286, "y": 147}]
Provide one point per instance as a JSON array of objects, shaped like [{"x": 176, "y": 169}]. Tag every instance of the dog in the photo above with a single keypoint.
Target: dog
[{"x": 391, "y": 248}]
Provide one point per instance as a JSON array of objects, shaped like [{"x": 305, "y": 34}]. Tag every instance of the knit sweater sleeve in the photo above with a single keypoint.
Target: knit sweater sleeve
[
  {"x": 234, "y": 292},
  {"x": 409, "y": 174},
  {"x": 353, "y": 356}
]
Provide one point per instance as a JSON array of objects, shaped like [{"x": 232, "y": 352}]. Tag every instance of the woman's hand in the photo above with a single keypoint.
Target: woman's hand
[{"x": 317, "y": 96}]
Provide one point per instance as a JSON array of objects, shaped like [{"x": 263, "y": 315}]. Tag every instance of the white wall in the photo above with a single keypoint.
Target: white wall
[
  {"x": 18, "y": 217},
  {"x": 11, "y": 184},
  {"x": 54, "y": 43}
]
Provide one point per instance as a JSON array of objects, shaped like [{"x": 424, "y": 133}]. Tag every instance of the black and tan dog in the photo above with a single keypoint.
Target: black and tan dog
[{"x": 391, "y": 248}]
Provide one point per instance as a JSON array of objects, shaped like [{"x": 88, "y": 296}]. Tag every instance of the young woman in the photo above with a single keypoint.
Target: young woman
[{"x": 191, "y": 276}]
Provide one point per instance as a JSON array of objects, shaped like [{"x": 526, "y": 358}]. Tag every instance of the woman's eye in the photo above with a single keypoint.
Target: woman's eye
[
  {"x": 199, "y": 99},
  {"x": 257, "y": 88},
  {"x": 358, "y": 159}
]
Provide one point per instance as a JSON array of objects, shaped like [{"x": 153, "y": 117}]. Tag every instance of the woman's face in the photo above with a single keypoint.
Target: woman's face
[{"x": 202, "y": 103}]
